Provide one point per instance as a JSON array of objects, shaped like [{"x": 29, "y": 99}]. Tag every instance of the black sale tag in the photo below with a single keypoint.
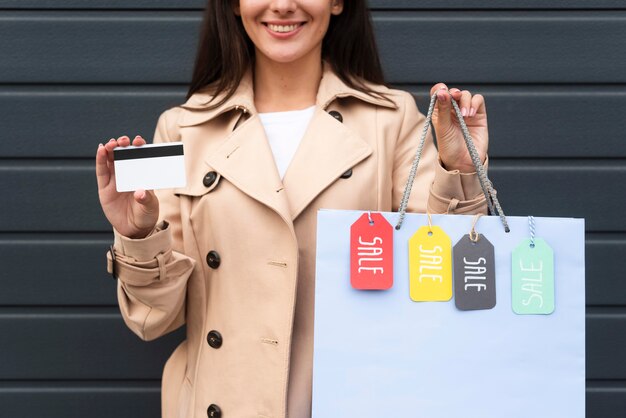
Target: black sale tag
[{"x": 474, "y": 274}]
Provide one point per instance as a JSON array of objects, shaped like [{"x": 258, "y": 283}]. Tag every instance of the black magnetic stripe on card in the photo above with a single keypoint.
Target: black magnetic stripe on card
[{"x": 147, "y": 152}]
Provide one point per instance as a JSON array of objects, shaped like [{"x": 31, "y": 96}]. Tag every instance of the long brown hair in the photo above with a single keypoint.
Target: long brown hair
[{"x": 225, "y": 51}]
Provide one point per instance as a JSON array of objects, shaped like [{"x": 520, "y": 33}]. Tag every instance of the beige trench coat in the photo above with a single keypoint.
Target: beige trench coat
[{"x": 233, "y": 257}]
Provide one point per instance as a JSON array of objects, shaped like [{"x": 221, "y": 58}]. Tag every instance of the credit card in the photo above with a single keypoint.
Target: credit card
[{"x": 149, "y": 167}]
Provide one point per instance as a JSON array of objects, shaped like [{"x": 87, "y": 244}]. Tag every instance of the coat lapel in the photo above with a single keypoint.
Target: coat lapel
[
  {"x": 329, "y": 148},
  {"x": 326, "y": 151},
  {"x": 245, "y": 159}
]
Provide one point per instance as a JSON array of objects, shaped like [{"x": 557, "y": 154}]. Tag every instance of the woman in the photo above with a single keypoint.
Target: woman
[{"x": 232, "y": 254}]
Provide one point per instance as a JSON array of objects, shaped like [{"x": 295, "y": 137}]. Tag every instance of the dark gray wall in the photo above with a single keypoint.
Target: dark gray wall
[{"x": 74, "y": 73}]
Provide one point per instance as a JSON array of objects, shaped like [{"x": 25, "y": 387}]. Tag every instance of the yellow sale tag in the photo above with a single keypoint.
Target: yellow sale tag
[{"x": 430, "y": 265}]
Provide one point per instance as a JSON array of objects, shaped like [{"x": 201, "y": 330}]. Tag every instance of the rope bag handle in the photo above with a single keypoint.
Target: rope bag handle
[{"x": 485, "y": 183}]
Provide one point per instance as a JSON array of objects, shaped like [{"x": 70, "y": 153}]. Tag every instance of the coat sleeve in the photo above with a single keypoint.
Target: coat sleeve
[
  {"x": 153, "y": 272},
  {"x": 435, "y": 189}
]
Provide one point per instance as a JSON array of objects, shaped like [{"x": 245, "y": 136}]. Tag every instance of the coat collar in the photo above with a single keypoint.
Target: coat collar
[
  {"x": 331, "y": 87},
  {"x": 326, "y": 151}
]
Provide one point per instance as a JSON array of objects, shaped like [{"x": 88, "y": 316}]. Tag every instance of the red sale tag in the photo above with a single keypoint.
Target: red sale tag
[{"x": 371, "y": 253}]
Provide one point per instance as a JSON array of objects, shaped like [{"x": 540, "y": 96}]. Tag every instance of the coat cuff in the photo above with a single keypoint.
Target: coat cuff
[
  {"x": 157, "y": 242},
  {"x": 456, "y": 192},
  {"x": 141, "y": 261}
]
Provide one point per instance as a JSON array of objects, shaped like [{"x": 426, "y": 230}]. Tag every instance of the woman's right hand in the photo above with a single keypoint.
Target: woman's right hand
[{"x": 132, "y": 214}]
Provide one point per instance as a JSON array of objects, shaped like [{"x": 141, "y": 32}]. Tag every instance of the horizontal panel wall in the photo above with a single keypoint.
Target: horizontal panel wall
[
  {"x": 606, "y": 399},
  {"x": 79, "y": 344},
  {"x": 499, "y": 47},
  {"x": 86, "y": 345},
  {"x": 524, "y": 188},
  {"x": 549, "y": 121},
  {"x": 95, "y": 47},
  {"x": 605, "y": 265},
  {"x": 374, "y": 4},
  {"x": 524, "y": 121},
  {"x": 120, "y": 399},
  {"x": 78, "y": 72},
  {"x": 142, "y": 400},
  {"x": 489, "y": 47},
  {"x": 606, "y": 344},
  {"x": 39, "y": 272},
  {"x": 56, "y": 270},
  {"x": 73, "y": 120}
]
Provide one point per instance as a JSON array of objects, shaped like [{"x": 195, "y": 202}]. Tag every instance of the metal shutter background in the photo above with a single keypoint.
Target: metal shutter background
[{"x": 74, "y": 73}]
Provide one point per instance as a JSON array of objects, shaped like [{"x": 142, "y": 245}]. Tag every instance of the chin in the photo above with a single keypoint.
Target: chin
[
  {"x": 286, "y": 53},
  {"x": 285, "y": 58}
]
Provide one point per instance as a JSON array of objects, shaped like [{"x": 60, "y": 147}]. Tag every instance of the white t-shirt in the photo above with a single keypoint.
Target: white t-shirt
[{"x": 284, "y": 131}]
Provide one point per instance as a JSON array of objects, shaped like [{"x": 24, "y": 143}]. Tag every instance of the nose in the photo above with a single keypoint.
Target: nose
[{"x": 283, "y": 6}]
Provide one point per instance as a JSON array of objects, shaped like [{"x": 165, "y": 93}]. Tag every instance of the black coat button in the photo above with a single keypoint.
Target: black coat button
[
  {"x": 214, "y": 339},
  {"x": 213, "y": 259},
  {"x": 336, "y": 115},
  {"x": 209, "y": 178},
  {"x": 214, "y": 411},
  {"x": 347, "y": 174}
]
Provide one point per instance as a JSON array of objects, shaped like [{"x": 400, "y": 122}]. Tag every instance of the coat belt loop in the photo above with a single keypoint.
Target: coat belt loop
[
  {"x": 453, "y": 205},
  {"x": 162, "y": 269}
]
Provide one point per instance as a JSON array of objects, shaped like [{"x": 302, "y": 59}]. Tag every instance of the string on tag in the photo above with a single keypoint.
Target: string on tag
[
  {"x": 474, "y": 271},
  {"x": 473, "y": 235},
  {"x": 430, "y": 224},
  {"x": 532, "y": 275},
  {"x": 488, "y": 190},
  {"x": 369, "y": 217},
  {"x": 531, "y": 226}
]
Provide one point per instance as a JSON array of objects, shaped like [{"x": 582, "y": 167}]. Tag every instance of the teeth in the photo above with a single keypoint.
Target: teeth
[{"x": 281, "y": 28}]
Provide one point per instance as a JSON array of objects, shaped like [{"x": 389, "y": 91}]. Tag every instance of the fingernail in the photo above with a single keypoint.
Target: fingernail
[
  {"x": 112, "y": 140},
  {"x": 472, "y": 112},
  {"x": 464, "y": 112},
  {"x": 100, "y": 145}
]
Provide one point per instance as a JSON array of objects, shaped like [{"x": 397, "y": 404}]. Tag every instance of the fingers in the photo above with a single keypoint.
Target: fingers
[
  {"x": 102, "y": 168},
  {"x": 478, "y": 105},
  {"x": 138, "y": 141},
  {"x": 148, "y": 210},
  {"x": 443, "y": 103},
  {"x": 443, "y": 94},
  {"x": 468, "y": 104},
  {"x": 436, "y": 88},
  {"x": 465, "y": 102},
  {"x": 124, "y": 141},
  {"x": 141, "y": 196},
  {"x": 144, "y": 197},
  {"x": 105, "y": 168}
]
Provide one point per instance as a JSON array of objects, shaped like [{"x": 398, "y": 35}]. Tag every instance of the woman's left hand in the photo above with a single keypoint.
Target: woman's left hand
[{"x": 450, "y": 143}]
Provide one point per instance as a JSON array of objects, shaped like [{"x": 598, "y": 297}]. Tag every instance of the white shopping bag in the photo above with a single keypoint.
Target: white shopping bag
[{"x": 378, "y": 353}]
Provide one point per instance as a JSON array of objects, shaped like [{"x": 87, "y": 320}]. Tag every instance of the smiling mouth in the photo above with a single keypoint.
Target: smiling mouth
[{"x": 283, "y": 28}]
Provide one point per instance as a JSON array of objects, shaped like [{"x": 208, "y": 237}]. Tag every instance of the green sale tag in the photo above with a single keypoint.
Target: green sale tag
[{"x": 533, "y": 278}]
